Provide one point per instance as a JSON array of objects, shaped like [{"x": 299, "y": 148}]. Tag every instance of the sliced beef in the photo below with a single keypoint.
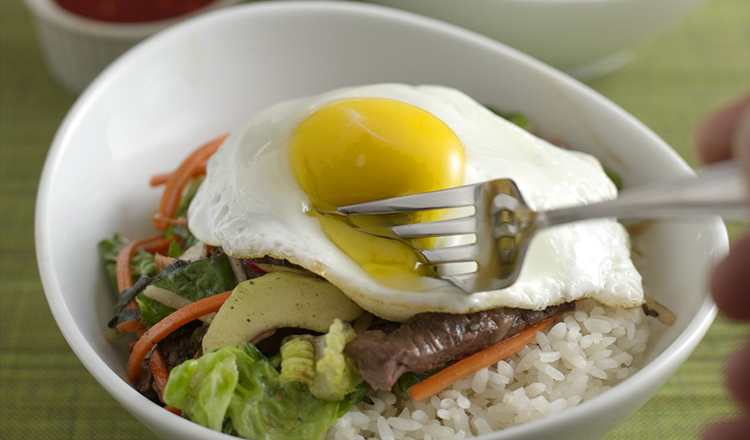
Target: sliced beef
[
  {"x": 145, "y": 383},
  {"x": 175, "y": 349},
  {"x": 431, "y": 340}
]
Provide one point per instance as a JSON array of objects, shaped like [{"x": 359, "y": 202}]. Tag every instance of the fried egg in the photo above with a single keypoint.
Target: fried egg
[{"x": 270, "y": 187}]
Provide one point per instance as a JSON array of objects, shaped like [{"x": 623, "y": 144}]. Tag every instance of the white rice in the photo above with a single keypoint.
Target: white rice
[{"x": 587, "y": 352}]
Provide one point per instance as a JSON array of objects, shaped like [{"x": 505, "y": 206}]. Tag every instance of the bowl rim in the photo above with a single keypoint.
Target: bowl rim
[
  {"x": 653, "y": 374},
  {"x": 50, "y": 10}
]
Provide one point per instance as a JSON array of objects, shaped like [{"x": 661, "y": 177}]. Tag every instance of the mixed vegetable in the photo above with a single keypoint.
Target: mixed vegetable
[
  {"x": 201, "y": 364},
  {"x": 253, "y": 348}
]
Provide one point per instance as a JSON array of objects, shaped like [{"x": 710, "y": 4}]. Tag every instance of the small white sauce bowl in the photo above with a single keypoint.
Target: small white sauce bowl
[{"x": 77, "y": 48}]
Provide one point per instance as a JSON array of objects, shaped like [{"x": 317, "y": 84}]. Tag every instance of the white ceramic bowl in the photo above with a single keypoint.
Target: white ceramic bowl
[
  {"x": 586, "y": 38},
  {"x": 77, "y": 48},
  {"x": 206, "y": 76}
]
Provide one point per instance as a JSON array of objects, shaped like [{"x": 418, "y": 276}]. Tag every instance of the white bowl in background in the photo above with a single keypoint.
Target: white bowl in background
[
  {"x": 77, "y": 48},
  {"x": 206, "y": 76},
  {"x": 585, "y": 38}
]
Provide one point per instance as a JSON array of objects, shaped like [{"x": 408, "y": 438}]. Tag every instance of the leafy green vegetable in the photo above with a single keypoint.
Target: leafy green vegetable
[
  {"x": 174, "y": 250},
  {"x": 335, "y": 374},
  {"x": 121, "y": 313},
  {"x": 197, "y": 280},
  {"x": 252, "y": 351},
  {"x": 614, "y": 177},
  {"x": 200, "y": 279},
  {"x": 297, "y": 359},
  {"x": 354, "y": 398},
  {"x": 152, "y": 311},
  {"x": 407, "y": 380},
  {"x": 260, "y": 406},
  {"x": 517, "y": 118},
  {"x": 264, "y": 408},
  {"x": 142, "y": 263},
  {"x": 181, "y": 232},
  {"x": 204, "y": 388}
]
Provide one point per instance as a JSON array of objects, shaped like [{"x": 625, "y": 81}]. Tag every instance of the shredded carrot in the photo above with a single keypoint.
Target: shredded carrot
[
  {"x": 129, "y": 326},
  {"x": 181, "y": 221},
  {"x": 134, "y": 324},
  {"x": 159, "y": 179},
  {"x": 162, "y": 261},
  {"x": 124, "y": 274},
  {"x": 162, "y": 179},
  {"x": 172, "y": 322},
  {"x": 483, "y": 359},
  {"x": 161, "y": 246},
  {"x": 176, "y": 183},
  {"x": 173, "y": 410},
  {"x": 156, "y": 364},
  {"x": 159, "y": 371}
]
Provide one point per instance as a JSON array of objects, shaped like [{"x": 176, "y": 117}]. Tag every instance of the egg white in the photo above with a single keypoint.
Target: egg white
[{"x": 251, "y": 205}]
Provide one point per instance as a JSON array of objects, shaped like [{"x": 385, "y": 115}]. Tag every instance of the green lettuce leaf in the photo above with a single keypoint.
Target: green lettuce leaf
[
  {"x": 152, "y": 311},
  {"x": 264, "y": 408},
  {"x": 243, "y": 386},
  {"x": 174, "y": 250},
  {"x": 200, "y": 279},
  {"x": 204, "y": 388},
  {"x": 197, "y": 280}
]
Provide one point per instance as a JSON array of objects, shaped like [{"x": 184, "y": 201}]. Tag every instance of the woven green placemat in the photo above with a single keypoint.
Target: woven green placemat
[{"x": 45, "y": 393}]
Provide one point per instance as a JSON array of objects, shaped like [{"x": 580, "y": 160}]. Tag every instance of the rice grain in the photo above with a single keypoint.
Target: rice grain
[{"x": 588, "y": 352}]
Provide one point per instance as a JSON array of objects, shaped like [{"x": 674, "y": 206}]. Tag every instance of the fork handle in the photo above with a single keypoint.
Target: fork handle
[{"x": 719, "y": 190}]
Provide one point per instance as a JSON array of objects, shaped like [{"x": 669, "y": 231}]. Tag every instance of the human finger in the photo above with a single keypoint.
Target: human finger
[
  {"x": 730, "y": 281},
  {"x": 731, "y": 430},
  {"x": 715, "y": 133}
]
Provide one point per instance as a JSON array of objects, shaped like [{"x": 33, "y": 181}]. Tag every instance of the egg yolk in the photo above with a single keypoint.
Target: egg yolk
[{"x": 359, "y": 150}]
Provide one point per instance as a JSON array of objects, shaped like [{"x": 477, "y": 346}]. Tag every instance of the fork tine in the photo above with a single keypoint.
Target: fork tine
[
  {"x": 463, "y": 281},
  {"x": 447, "y": 198},
  {"x": 458, "y": 226},
  {"x": 453, "y": 254}
]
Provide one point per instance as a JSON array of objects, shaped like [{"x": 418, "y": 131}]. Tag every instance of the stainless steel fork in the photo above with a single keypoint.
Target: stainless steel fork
[{"x": 503, "y": 224}]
